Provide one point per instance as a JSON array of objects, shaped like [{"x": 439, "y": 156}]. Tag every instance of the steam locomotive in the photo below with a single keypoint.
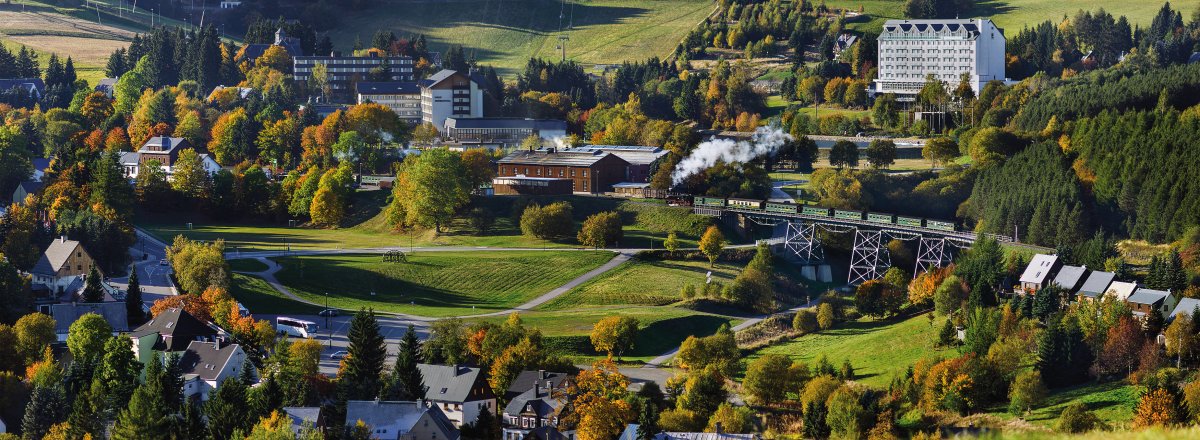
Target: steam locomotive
[{"x": 814, "y": 211}]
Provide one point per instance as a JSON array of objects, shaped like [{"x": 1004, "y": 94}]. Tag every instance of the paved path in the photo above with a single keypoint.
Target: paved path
[{"x": 779, "y": 195}]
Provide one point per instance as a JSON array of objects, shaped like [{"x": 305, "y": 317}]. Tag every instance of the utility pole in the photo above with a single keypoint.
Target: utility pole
[{"x": 562, "y": 44}]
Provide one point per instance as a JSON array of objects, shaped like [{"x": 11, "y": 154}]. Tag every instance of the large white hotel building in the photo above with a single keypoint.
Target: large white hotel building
[{"x": 910, "y": 50}]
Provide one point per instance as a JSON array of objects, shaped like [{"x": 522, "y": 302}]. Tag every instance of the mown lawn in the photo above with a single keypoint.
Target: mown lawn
[
  {"x": 662, "y": 329},
  {"x": 435, "y": 283},
  {"x": 1012, "y": 15},
  {"x": 506, "y": 34},
  {"x": 1113, "y": 402},
  {"x": 878, "y": 350},
  {"x": 259, "y": 297},
  {"x": 247, "y": 265},
  {"x": 642, "y": 282}
]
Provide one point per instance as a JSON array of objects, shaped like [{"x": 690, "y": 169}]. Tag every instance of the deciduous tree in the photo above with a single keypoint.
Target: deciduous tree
[
  {"x": 614, "y": 334},
  {"x": 711, "y": 244}
]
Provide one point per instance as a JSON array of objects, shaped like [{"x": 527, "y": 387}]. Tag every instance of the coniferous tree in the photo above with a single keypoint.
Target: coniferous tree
[
  {"x": 226, "y": 410},
  {"x": 406, "y": 382},
  {"x": 27, "y": 64},
  {"x": 47, "y": 407},
  {"x": 133, "y": 300},
  {"x": 92, "y": 292},
  {"x": 360, "y": 379},
  {"x": 648, "y": 421},
  {"x": 144, "y": 418},
  {"x": 190, "y": 424},
  {"x": 814, "y": 420},
  {"x": 88, "y": 413}
]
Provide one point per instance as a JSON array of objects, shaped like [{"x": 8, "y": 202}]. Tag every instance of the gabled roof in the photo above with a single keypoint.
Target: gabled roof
[
  {"x": 1148, "y": 296},
  {"x": 402, "y": 416},
  {"x": 1096, "y": 283},
  {"x": 163, "y": 144},
  {"x": 31, "y": 186},
  {"x": 55, "y": 256},
  {"x": 27, "y": 84},
  {"x": 545, "y": 433},
  {"x": 1039, "y": 268},
  {"x": 566, "y": 158},
  {"x": 540, "y": 401},
  {"x": 630, "y": 433},
  {"x": 388, "y": 88},
  {"x": 206, "y": 359},
  {"x": 67, "y": 313},
  {"x": 1121, "y": 290},
  {"x": 450, "y": 383},
  {"x": 525, "y": 380},
  {"x": 1069, "y": 277},
  {"x": 1186, "y": 306},
  {"x": 301, "y": 415},
  {"x": 436, "y": 78},
  {"x": 177, "y": 324}
]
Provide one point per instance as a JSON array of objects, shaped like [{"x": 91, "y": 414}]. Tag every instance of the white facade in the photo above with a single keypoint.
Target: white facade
[
  {"x": 910, "y": 50},
  {"x": 406, "y": 106},
  {"x": 129, "y": 161},
  {"x": 465, "y": 413},
  {"x": 450, "y": 94}
]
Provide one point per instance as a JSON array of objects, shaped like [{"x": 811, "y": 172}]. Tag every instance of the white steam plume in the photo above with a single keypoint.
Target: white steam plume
[{"x": 766, "y": 140}]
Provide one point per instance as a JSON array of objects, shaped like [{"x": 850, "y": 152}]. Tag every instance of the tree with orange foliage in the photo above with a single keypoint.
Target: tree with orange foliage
[
  {"x": 1158, "y": 407},
  {"x": 117, "y": 140},
  {"x": 922, "y": 288},
  {"x": 97, "y": 107},
  {"x": 275, "y": 57},
  {"x": 94, "y": 141},
  {"x": 232, "y": 140},
  {"x": 193, "y": 304},
  {"x": 598, "y": 398}
]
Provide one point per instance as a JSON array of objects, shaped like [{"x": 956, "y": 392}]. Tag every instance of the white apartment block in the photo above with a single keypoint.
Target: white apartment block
[
  {"x": 450, "y": 94},
  {"x": 404, "y": 98},
  {"x": 910, "y": 50}
]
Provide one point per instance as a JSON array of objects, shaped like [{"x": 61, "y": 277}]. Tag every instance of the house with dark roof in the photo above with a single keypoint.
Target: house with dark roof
[
  {"x": 1145, "y": 301},
  {"x": 401, "y": 420},
  {"x": 461, "y": 391},
  {"x": 451, "y": 94},
  {"x": 1096, "y": 284},
  {"x": 65, "y": 314},
  {"x": 31, "y": 87},
  {"x": 25, "y": 188},
  {"x": 106, "y": 86},
  {"x": 1039, "y": 272},
  {"x": 165, "y": 150},
  {"x": 535, "y": 402},
  {"x": 64, "y": 264},
  {"x": 305, "y": 417},
  {"x": 205, "y": 365},
  {"x": 403, "y": 97},
  {"x": 173, "y": 330},
  {"x": 500, "y": 132},
  {"x": 291, "y": 45},
  {"x": 1070, "y": 278},
  {"x": 593, "y": 172},
  {"x": 40, "y": 166},
  {"x": 643, "y": 160}
]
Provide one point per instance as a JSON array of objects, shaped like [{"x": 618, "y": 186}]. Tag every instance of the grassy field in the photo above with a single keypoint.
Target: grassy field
[
  {"x": 663, "y": 328},
  {"x": 507, "y": 34},
  {"x": 49, "y": 30},
  {"x": 878, "y": 350},
  {"x": 1113, "y": 402},
  {"x": 642, "y": 282},
  {"x": 259, "y": 297},
  {"x": 1012, "y": 15},
  {"x": 247, "y": 265},
  {"x": 435, "y": 283}
]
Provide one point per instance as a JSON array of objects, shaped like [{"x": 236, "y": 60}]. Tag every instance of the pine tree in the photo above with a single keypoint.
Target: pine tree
[
  {"x": 814, "y": 420},
  {"x": 27, "y": 64},
  {"x": 648, "y": 421},
  {"x": 88, "y": 413},
  {"x": 144, "y": 418},
  {"x": 47, "y": 407},
  {"x": 92, "y": 291},
  {"x": 406, "y": 382},
  {"x": 226, "y": 410},
  {"x": 1176, "y": 277},
  {"x": 133, "y": 299},
  {"x": 360, "y": 379}
]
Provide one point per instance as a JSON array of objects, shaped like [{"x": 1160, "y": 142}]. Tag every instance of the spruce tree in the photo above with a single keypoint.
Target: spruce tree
[
  {"x": 191, "y": 422},
  {"x": 648, "y": 421},
  {"x": 144, "y": 418},
  {"x": 226, "y": 410},
  {"x": 92, "y": 291},
  {"x": 88, "y": 413},
  {"x": 47, "y": 407},
  {"x": 360, "y": 379},
  {"x": 1176, "y": 278},
  {"x": 27, "y": 64},
  {"x": 133, "y": 300},
  {"x": 407, "y": 382},
  {"x": 814, "y": 420}
]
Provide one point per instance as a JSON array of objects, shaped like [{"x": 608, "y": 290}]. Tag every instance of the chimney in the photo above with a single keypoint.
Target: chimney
[
  {"x": 537, "y": 389},
  {"x": 541, "y": 374},
  {"x": 62, "y": 238},
  {"x": 718, "y": 428}
]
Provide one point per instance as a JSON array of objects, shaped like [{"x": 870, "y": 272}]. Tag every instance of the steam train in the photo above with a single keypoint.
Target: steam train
[{"x": 842, "y": 214}]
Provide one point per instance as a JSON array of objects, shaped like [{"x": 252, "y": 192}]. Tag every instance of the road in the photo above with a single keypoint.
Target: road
[{"x": 779, "y": 195}]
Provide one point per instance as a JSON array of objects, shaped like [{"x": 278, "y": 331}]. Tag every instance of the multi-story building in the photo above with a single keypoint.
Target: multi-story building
[
  {"x": 462, "y": 392},
  {"x": 402, "y": 97},
  {"x": 500, "y": 132},
  {"x": 164, "y": 150},
  {"x": 911, "y": 50},
  {"x": 593, "y": 172},
  {"x": 343, "y": 72},
  {"x": 450, "y": 94}
]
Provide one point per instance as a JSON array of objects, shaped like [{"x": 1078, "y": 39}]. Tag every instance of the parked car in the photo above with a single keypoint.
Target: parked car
[
  {"x": 162, "y": 262},
  {"x": 329, "y": 313},
  {"x": 339, "y": 355}
]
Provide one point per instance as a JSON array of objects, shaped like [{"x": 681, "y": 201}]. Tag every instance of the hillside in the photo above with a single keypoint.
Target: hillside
[
  {"x": 1012, "y": 15},
  {"x": 507, "y": 33}
]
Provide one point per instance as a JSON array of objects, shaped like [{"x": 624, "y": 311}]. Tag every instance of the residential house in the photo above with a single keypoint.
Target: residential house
[
  {"x": 173, "y": 330},
  {"x": 205, "y": 365},
  {"x": 461, "y": 391},
  {"x": 1070, "y": 278},
  {"x": 643, "y": 161},
  {"x": 1120, "y": 290},
  {"x": 500, "y": 132},
  {"x": 401, "y": 420},
  {"x": 304, "y": 417},
  {"x": 451, "y": 94},
  {"x": 1039, "y": 272},
  {"x": 548, "y": 433},
  {"x": 31, "y": 87},
  {"x": 106, "y": 86},
  {"x": 1145, "y": 301},
  {"x": 1096, "y": 284},
  {"x": 593, "y": 172},
  {"x": 40, "y": 166},
  {"x": 230, "y": 4},
  {"x": 1186, "y": 306},
  {"x": 534, "y": 401},
  {"x": 166, "y": 151},
  {"x": 25, "y": 188},
  {"x": 630, "y": 433},
  {"x": 61, "y": 269},
  {"x": 403, "y": 97},
  {"x": 291, "y": 45},
  {"x": 66, "y": 314}
]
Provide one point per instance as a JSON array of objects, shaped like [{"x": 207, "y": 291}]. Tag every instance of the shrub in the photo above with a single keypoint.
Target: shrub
[
  {"x": 825, "y": 318},
  {"x": 1076, "y": 418},
  {"x": 805, "y": 321}
]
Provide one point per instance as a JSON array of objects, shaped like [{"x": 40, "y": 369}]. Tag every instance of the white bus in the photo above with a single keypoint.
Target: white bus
[{"x": 295, "y": 327}]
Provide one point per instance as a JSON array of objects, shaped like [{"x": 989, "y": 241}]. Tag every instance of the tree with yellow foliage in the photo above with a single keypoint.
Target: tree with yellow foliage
[
  {"x": 601, "y": 411},
  {"x": 614, "y": 334}
]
